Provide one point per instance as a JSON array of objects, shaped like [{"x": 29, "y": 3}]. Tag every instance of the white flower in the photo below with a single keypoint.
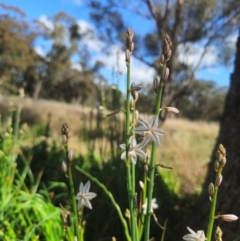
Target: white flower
[
  {"x": 149, "y": 129},
  {"x": 199, "y": 236},
  {"x": 84, "y": 196},
  {"x": 153, "y": 205},
  {"x": 134, "y": 150}
]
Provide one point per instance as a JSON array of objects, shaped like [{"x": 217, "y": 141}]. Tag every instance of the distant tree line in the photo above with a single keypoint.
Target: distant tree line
[{"x": 52, "y": 76}]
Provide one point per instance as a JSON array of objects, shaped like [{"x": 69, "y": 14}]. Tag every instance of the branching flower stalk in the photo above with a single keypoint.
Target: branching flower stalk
[
  {"x": 164, "y": 73},
  {"x": 69, "y": 156}
]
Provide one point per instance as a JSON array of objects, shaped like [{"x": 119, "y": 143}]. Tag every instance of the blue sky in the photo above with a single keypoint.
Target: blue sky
[{"x": 77, "y": 8}]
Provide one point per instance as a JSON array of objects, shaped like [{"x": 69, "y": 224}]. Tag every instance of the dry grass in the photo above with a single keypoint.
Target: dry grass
[{"x": 186, "y": 146}]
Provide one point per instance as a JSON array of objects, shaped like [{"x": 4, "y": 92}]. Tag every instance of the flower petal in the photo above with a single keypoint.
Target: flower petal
[
  {"x": 155, "y": 138},
  {"x": 134, "y": 159},
  {"x": 81, "y": 187},
  {"x": 87, "y": 187},
  {"x": 158, "y": 131},
  {"x": 87, "y": 203},
  {"x": 191, "y": 231},
  {"x": 123, "y": 156},
  {"x": 132, "y": 141},
  {"x": 140, "y": 129},
  {"x": 153, "y": 122},
  {"x": 123, "y": 146},
  {"x": 90, "y": 195},
  {"x": 143, "y": 122},
  {"x": 141, "y": 153}
]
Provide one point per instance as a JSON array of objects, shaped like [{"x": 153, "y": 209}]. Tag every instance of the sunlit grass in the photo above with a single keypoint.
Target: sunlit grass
[{"x": 186, "y": 146}]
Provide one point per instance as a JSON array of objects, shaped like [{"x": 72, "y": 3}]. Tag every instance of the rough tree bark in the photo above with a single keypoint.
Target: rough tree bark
[{"x": 229, "y": 192}]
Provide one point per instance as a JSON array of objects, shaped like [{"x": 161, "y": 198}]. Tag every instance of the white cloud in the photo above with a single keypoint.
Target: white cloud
[
  {"x": 76, "y": 66},
  {"x": 190, "y": 54},
  {"x": 90, "y": 38},
  {"x": 45, "y": 21},
  {"x": 40, "y": 51},
  {"x": 140, "y": 72}
]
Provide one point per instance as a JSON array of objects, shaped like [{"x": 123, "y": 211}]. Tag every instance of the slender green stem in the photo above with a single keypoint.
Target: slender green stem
[
  {"x": 16, "y": 124},
  {"x": 152, "y": 163},
  {"x": 73, "y": 200},
  {"x": 212, "y": 212},
  {"x": 109, "y": 194},
  {"x": 129, "y": 164}
]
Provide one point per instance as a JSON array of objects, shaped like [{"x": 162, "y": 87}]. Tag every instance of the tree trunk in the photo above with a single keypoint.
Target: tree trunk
[
  {"x": 229, "y": 191},
  {"x": 37, "y": 88}
]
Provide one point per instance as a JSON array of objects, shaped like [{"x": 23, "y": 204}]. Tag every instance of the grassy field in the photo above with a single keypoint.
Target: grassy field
[{"x": 186, "y": 146}]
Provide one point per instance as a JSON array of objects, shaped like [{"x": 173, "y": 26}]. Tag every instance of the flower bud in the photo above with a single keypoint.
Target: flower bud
[
  {"x": 228, "y": 217},
  {"x": 136, "y": 87},
  {"x": 132, "y": 47},
  {"x": 218, "y": 180},
  {"x": 65, "y": 130},
  {"x": 162, "y": 60},
  {"x": 132, "y": 103},
  {"x": 216, "y": 165},
  {"x": 155, "y": 84},
  {"x": 222, "y": 150},
  {"x": 127, "y": 55},
  {"x": 166, "y": 74},
  {"x": 168, "y": 54},
  {"x": 223, "y": 162},
  {"x": 141, "y": 184},
  {"x": 64, "y": 167},
  {"x": 127, "y": 213},
  {"x": 64, "y": 139},
  {"x": 210, "y": 189},
  {"x": 172, "y": 110},
  {"x": 70, "y": 156},
  {"x": 218, "y": 234}
]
